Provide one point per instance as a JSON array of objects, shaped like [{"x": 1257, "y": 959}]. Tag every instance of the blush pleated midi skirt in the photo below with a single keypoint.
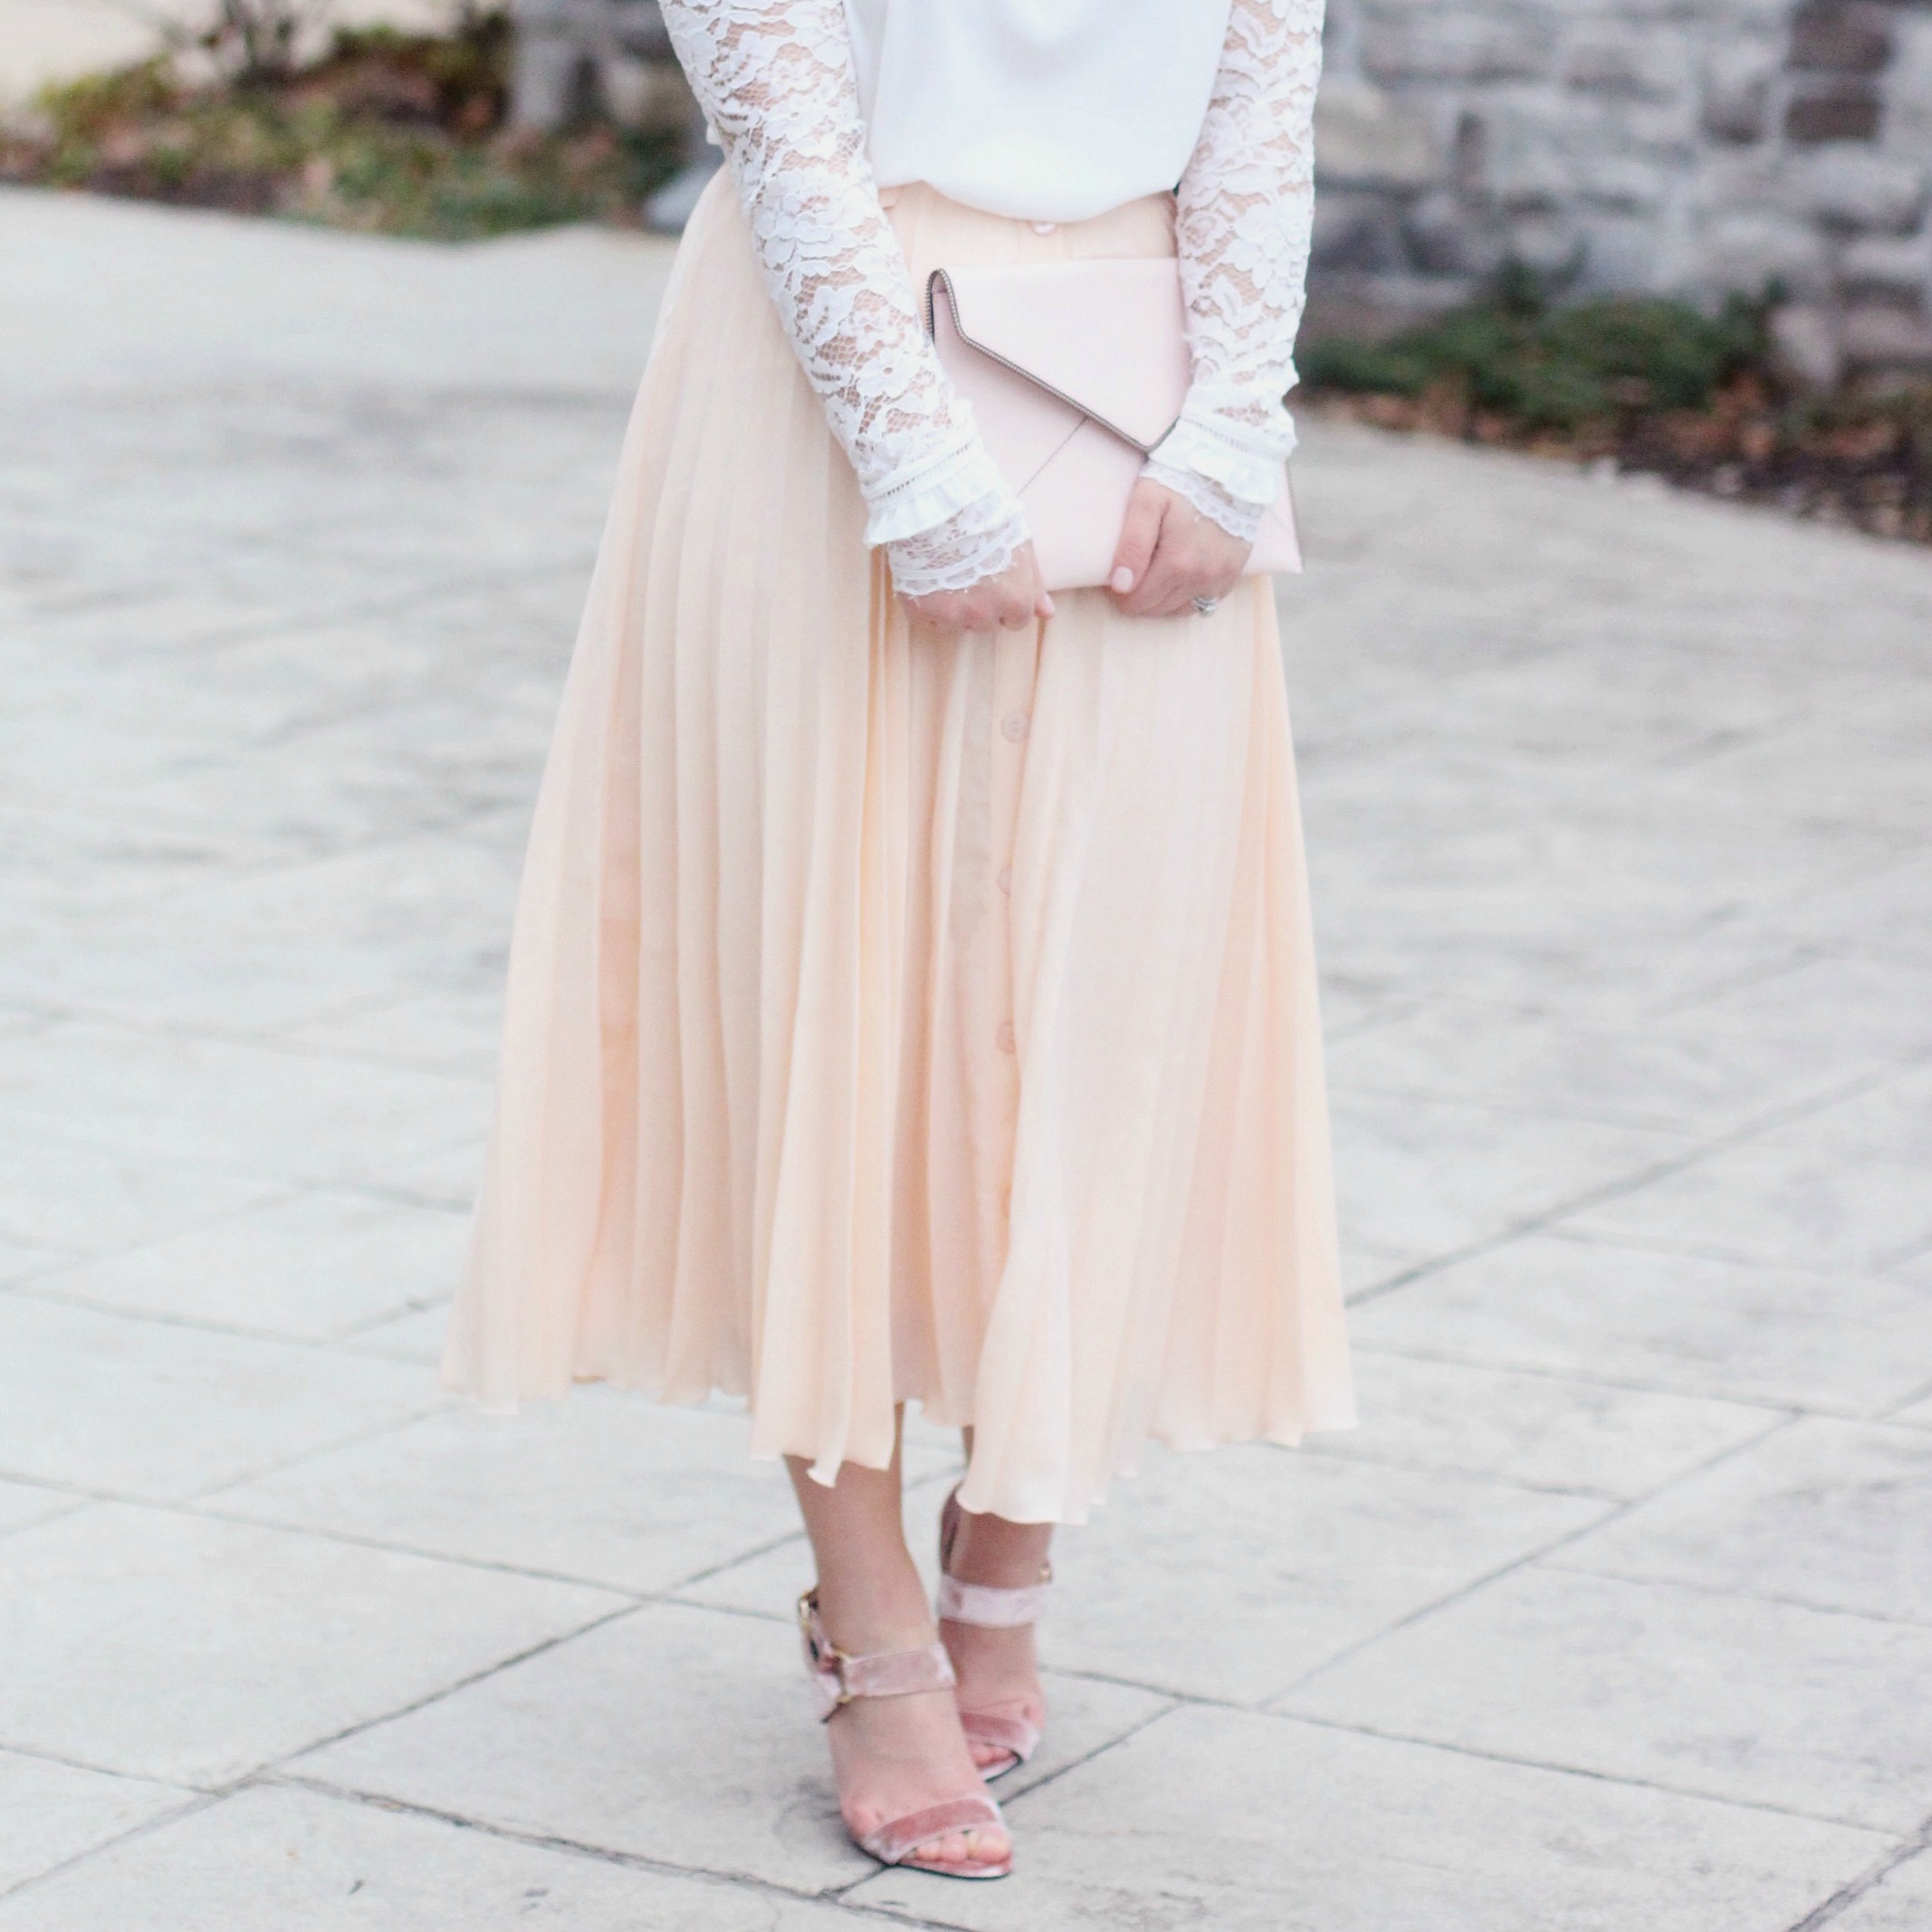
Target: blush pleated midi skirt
[{"x": 894, "y": 1017}]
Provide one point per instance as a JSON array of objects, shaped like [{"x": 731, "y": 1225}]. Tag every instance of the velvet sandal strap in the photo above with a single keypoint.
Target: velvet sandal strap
[
  {"x": 1003, "y": 1733},
  {"x": 837, "y": 1679},
  {"x": 991, "y": 1607},
  {"x": 894, "y": 1841}
]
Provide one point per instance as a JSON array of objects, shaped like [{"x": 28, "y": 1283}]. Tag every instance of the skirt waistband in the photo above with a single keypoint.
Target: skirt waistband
[{"x": 920, "y": 213}]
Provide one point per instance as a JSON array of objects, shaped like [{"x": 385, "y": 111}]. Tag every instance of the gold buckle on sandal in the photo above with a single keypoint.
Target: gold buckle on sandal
[{"x": 820, "y": 1648}]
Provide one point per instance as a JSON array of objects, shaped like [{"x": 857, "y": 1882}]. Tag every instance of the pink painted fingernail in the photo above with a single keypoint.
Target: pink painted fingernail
[{"x": 1123, "y": 578}]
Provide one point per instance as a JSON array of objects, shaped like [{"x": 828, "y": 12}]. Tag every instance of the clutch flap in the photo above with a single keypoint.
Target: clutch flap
[{"x": 1106, "y": 336}]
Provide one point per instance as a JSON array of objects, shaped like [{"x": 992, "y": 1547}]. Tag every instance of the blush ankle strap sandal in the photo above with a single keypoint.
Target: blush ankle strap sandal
[
  {"x": 990, "y": 1608},
  {"x": 837, "y": 1680}
]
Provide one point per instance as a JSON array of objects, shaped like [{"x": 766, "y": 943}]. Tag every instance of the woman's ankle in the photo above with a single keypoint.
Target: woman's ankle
[
  {"x": 878, "y": 1607},
  {"x": 990, "y": 1550}
]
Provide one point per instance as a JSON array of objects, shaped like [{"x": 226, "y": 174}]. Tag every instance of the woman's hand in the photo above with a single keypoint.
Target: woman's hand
[
  {"x": 1169, "y": 554},
  {"x": 1010, "y": 601}
]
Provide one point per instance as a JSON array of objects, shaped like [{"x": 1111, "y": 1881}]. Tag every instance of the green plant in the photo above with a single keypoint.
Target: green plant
[
  {"x": 1521, "y": 352},
  {"x": 376, "y": 130}
]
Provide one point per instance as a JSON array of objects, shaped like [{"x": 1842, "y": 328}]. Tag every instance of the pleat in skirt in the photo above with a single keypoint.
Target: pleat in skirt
[{"x": 894, "y": 1017}]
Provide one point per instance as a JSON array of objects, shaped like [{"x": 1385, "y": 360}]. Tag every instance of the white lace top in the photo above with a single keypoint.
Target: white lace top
[{"x": 778, "y": 81}]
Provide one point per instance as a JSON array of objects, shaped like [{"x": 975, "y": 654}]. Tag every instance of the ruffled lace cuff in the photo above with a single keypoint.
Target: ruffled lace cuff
[
  {"x": 978, "y": 540},
  {"x": 937, "y": 487},
  {"x": 1239, "y": 518},
  {"x": 1230, "y": 438}
]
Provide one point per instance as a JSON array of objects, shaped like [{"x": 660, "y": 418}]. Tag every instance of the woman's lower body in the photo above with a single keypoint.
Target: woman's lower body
[{"x": 898, "y": 1017}]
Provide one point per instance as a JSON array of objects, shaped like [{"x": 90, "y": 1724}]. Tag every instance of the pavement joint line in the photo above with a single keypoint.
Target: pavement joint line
[
  {"x": 207, "y": 1508},
  {"x": 197, "y": 1501},
  {"x": 1847, "y": 1896},
  {"x": 194, "y": 1502},
  {"x": 70, "y": 1763},
  {"x": 443, "y": 586},
  {"x": 1592, "y": 1379},
  {"x": 1413, "y": 1466},
  {"x": 1549, "y": 1219},
  {"x": 275, "y": 1779},
  {"x": 1710, "y": 745},
  {"x": 1532, "y": 1556},
  {"x": 1922, "y": 1394},
  {"x": 332, "y": 1179},
  {"x": 1351, "y": 1087},
  {"x": 1732, "y": 1257},
  {"x": 1692, "y": 1587},
  {"x": 1627, "y": 1779},
  {"x": 37, "y": 1285},
  {"x": 106, "y": 1019},
  {"x": 193, "y": 1802},
  {"x": 421, "y": 1304},
  {"x": 1133, "y": 1730},
  {"x": 396, "y": 1713},
  {"x": 79, "y": 1492},
  {"x": 633, "y": 1599}
]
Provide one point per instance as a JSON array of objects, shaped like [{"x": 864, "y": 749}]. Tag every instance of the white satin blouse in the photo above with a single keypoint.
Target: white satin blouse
[{"x": 1053, "y": 109}]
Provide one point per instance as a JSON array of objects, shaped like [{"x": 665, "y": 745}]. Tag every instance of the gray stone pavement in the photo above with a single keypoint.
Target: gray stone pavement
[{"x": 1615, "y": 1615}]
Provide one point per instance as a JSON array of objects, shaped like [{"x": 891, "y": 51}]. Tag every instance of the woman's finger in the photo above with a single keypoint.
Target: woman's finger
[
  {"x": 1140, "y": 537},
  {"x": 1165, "y": 576}
]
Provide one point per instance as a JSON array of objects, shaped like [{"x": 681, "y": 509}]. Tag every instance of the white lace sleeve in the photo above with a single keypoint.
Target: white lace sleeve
[
  {"x": 1247, "y": 205},
  {"x": 775, "y": 79}
]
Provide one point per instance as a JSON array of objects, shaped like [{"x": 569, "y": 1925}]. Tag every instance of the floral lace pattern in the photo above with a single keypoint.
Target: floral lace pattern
[
  {"x": 1237, "y": 517},
  {"x": 775, "y": 79},
  {"x": 1245, "y": 211}
]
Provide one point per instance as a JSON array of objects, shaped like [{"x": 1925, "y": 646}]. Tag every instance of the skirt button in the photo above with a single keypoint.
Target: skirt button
[{"x": 1045, "y": 227}]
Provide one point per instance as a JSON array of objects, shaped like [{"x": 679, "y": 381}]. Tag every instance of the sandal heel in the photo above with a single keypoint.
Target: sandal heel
[{"x": 989, "y": 1607}]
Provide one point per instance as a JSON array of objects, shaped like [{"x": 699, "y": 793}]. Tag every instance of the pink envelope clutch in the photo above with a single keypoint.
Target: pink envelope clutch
[{"x": 1076, "y": 371}]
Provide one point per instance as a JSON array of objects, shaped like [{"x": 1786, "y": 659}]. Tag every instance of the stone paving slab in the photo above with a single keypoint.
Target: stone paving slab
[
  {"x": 175, "y": 1647},
  {"x": 1253, "y": 1824},
  {"x": 61, "y": 1201},
  {"x": 1778, "y": 1336},
  {"x": 266, "y": 1112},
  {"x": 52, "y": 1813},
  {"x": 1544, "y": 1431},
  {"x": 1835, "y": 1514},
  {"x": 1901, "y": 1902},
  {"x": 309, "y": 1267},
  {"x": 293, "y": 1857},
  {"x": 163, "y": 1411},
  {"x": 1816, "y": 1713},
  {"x": 1612, "y": 1613},
  {"x": 586, "y": 1489}
]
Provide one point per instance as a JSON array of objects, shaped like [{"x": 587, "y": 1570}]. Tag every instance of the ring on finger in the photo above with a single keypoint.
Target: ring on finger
[{"x": 1207, "y": 606}]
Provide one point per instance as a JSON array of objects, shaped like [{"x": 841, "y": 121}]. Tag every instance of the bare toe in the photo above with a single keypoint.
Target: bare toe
[{"x": 989, "y": 1847}]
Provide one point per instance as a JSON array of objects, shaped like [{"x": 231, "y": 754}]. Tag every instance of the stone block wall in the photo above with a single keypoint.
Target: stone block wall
[
  {"x": 1684, "y": 146},
  {"x": 576, "y": 58}
]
